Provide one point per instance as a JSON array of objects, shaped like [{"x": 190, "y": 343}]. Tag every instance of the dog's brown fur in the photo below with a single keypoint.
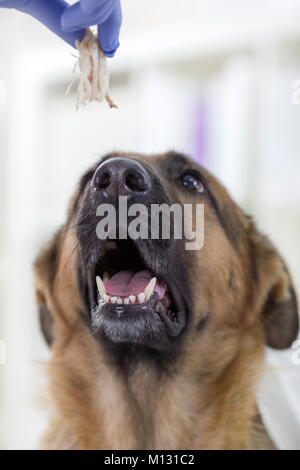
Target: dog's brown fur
[{"x": 206, "y": 399}]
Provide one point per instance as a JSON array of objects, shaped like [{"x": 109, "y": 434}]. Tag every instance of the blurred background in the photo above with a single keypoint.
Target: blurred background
[{"x": 207, "y": 77}]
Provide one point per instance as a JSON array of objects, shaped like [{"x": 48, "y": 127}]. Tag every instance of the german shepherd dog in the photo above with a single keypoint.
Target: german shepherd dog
[{"x": 168, "y": 353}]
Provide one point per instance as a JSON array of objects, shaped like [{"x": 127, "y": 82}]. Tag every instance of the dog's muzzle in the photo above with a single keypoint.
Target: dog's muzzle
[{"x": 133, "y": 294}]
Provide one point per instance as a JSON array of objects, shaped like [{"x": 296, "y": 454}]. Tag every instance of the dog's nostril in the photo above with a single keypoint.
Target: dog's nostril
[
  {"x": 101, "y": 181},
  {"x": 135, "y": 182},
  {"x": 121, "y": 176}
]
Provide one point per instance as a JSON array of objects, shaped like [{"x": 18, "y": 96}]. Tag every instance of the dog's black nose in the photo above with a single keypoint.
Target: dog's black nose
[{"x": 121, "y": 177}]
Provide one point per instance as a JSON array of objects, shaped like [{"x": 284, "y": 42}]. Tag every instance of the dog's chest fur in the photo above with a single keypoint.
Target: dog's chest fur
[{"x": 97, "y": 407}]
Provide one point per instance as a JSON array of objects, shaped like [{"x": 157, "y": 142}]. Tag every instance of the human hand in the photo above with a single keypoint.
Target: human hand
[{"x": 106, "y": 14}]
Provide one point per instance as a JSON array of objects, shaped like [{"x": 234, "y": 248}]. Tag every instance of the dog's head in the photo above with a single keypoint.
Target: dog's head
[{"x": 151, "y": 295}]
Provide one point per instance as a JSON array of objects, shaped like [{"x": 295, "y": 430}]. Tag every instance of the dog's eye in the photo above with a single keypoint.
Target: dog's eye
[{"x": 192, "y": 182}]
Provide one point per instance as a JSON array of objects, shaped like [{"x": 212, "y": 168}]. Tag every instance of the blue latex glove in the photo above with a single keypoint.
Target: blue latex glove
[
  {"x": 106, "y": 14},
  {"x": 49, "y": 13}
]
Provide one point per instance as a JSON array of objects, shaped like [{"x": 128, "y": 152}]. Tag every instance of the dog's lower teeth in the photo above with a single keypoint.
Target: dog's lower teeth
[{"x": 141, "y": 298}]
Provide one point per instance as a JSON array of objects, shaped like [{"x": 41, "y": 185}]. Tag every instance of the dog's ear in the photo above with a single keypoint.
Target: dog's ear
[
  {"x": 278, "y": 304},
  {"x": 44, "y": 276}
]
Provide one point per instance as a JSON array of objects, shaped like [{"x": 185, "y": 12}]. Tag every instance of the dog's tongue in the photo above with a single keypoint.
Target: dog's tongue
[{"x": 126, "y": 283}]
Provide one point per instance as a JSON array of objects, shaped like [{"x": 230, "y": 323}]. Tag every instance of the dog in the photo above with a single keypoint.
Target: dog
[{"x": 179, "y": 367}]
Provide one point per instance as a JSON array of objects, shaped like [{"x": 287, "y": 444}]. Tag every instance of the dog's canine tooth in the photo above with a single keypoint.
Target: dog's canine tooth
[
  {"x": 126, "y": 301},
  {"x": 119, "y": 301},
  {"x": 150, "y": 288},
  {"x": 113, "y": 300},
  {"x": 101, "y": 286},
  {"x": 141, "y": 297},
  {"x": 132, "y": 299},
  {"x": 106, "y": 298}
]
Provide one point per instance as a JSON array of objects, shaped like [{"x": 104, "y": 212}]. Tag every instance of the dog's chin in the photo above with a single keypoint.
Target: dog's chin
[
  {"x": 146, "y": 324},
  {"x": 152, "y": 313}
]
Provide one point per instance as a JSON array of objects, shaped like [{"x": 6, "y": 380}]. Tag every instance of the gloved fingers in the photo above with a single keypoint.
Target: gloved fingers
[
  {"x": 108, "y": 32},
  {"x": 89, "y": 6},
  {"x": 71, "y": 37},
  {"x": 74, "y": 18}
]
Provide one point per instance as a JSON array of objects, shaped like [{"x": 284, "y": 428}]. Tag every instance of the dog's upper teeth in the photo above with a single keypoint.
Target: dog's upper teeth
[
  {"x": 141, "y": 297},
  {"x": 101, "y": 286},
  {"x": 126, "y": 300},
  {"x": 106, "y": 298},
  {"x": 114, "y": 300},
  {"x": 150, "y": 288},
  {"x": 119, "y": 301},
  {"x": 132, "y": 299}
]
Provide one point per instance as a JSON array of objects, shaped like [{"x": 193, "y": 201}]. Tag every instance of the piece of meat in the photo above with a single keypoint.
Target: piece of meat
[{"x": 94, "y": 80}]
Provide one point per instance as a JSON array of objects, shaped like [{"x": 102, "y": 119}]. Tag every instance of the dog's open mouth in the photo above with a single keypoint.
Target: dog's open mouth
[{"x": 130, "y": 301}]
